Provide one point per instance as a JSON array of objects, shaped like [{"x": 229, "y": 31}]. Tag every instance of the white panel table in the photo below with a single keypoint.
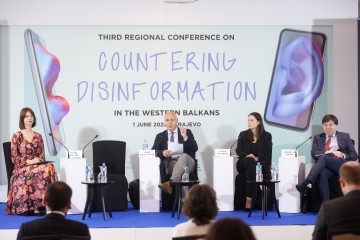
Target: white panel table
[
  {"x": 223, "y": 178},
  {"x": 149, "y": 180},
  {"x": 291, "y": 172},
  {"x": 72, "y": 171}
]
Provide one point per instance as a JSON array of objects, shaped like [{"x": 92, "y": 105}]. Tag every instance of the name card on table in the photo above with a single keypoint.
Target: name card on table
[
  {"x": 146, "y": 153},
  {"x": 74, "y": 154},
  {"x": 222, "y": 152},
  {"x": 288, "y": 153}
]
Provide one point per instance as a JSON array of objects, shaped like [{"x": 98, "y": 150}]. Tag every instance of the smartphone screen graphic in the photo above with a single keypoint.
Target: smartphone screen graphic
[
  {"x": 45, "y": 68},
  {"x": 297, "y": 79}
]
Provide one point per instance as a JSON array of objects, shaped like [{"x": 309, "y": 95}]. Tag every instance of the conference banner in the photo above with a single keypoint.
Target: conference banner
[{"x": 118, "y": 82}]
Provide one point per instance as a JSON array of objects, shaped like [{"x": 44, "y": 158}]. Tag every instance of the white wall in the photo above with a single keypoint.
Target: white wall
[{"x": 341, "y": 14}]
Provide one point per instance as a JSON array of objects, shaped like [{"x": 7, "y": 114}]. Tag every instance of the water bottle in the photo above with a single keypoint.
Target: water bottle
[
  {"x": 87, "y": 173},
  {"x": 276, "y": 170},
  {"x": 100, "y": 175},
  {"x": 92, "y": 178},
  {"x": 258, "y": 173},
  {"x": 145, "y": 145},
  {"x": 185, "y": 176},
  {"x": 104, "y": 169}
]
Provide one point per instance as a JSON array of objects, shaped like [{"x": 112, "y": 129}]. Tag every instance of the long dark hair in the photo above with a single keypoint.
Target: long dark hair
[{"x": 260, "y": 128}]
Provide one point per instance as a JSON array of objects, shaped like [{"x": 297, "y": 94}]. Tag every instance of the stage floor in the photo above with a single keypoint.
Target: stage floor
[{"x": 133, "y": 225}]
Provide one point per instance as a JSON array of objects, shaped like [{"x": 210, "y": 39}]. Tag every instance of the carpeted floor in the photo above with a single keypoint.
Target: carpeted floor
[{"x": 134, "y": 219}]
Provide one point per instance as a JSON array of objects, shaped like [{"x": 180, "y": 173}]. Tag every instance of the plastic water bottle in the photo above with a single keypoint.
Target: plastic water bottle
[
  {"x": 87, "y": 173},
  {"x": 258, "y": 172},
  {"x": 145, "y": 145},
  {"x": 276, "y": 172},
  {"x": 185, "y": 176},
  {"x": 104, "y": 169}
]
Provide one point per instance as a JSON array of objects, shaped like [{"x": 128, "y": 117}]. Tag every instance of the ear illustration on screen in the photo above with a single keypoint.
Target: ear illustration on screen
[{"x": 301, "y": 79}]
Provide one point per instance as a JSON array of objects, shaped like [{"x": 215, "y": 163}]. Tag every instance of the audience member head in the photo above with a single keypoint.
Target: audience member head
[
  {"x": 23, "y": 113},
  {"x": 256, "y": 125},
  {"x": 171, "y": 121},
  {"x": 200, "y": 204},
  {"x": 58, "y": 197},
  {"x": 349, "y": 176},
  {"x": 230, "y": 229}
]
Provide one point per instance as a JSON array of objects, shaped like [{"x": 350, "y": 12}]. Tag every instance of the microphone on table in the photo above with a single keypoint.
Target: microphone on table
[
  {"x": 88, "y": 144},
  {"x": 301, "y": 145},
  {"x": 234, "y": 144},
  {"x": 61, "y": 144}
]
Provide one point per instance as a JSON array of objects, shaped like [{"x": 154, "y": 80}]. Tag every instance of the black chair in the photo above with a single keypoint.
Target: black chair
[
  {"x": 56, "y": 237},
  {"x": 8, "y": 162},
  {"x": 168, "y": 199},
  {"x": 190, "y": 237},
  {"x": 112, "y": 153},
  {"x": 346, "y": 234}
]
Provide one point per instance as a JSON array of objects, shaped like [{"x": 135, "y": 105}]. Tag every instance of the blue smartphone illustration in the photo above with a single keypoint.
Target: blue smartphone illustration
[
  {"x": 45, "y": 68},
  {"x": 297, "y": 79}
]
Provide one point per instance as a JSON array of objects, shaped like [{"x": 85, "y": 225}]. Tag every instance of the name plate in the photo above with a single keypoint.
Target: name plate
[
  {"x": 222, "y": 152},
  {"x": 288, "y": 153},
  {"x": 146, "y": 153},
  {"x": 74, "y": 154}
]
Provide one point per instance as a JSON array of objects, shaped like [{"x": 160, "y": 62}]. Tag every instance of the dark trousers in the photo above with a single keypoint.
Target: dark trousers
[
  {"x": 325, "y": 167},
  {"x": 247, "y": 167}
]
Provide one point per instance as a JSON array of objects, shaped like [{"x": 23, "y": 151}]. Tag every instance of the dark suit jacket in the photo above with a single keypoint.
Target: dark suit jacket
[
  {"x": 161, "y": 144},
  {"x": 338, "y": 214},
  {"x": 264, "y": 150},
  {"x": 52, "y": 223},
  {"x": 346, "y": 146}
]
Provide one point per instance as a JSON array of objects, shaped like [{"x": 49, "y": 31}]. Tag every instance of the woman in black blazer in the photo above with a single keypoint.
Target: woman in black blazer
[{"x": 254, "y": 145}]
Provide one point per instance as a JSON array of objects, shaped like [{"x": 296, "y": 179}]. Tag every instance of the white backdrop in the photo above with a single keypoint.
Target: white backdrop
[{"x": 254, "y": 47}]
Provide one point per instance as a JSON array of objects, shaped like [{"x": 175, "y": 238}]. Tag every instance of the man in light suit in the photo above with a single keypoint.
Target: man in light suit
[
  {"x": 330, "y": 150},
  {"x": 171, "y": 163},
  {"x": 342, "y": 213},
  {"x": 58, "y": 202}
]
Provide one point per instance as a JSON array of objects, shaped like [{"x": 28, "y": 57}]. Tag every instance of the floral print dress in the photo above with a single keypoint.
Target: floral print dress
[{"x": 28, "y": 182}]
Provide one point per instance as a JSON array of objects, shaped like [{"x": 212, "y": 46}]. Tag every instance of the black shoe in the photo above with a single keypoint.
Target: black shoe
[{"x": 302, "y": 186}]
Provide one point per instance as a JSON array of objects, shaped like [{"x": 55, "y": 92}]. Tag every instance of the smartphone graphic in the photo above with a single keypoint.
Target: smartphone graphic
[
  {"x": 297, "y": 79},
  {"x": 45, "y": 68}
]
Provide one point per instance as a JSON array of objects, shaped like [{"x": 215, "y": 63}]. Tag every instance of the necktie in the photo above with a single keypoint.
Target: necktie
[
  {"x": 172, "y": 137},
  {"x": 327, "y": 144}
]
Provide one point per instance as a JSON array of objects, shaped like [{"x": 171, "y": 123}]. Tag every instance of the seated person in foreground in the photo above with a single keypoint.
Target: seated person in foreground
[
  {"x": 58, "y": 202},
  {"x": 330, "y": 150},
  {"x": 342, "y": 213},
  {"x": 254, "y": 145},
  {"x": 174, "y": 163},
  {"x": 200, "y": 208},
  {"x": 230, "y": 229},
  {"x": 30, "y": 176}
]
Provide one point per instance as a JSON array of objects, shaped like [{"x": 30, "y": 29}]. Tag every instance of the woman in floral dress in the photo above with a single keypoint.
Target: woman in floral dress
[{"x": 30, "y": 176}]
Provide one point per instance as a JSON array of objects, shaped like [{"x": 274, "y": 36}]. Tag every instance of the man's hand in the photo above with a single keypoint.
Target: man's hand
[
  {"x": 336, "y": 153},
  {"x": 253, "y": 156},
  {"x": 167, "y": 153},
  {"x": 183, "y": 133}
]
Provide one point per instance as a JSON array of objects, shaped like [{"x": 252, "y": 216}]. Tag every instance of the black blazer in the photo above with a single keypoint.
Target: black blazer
[
  {"x": 52, "y": 223},
  {"x": 161, "y": 143},
  {"x": 338, "y": 214},
  {"x": 264, "y": 150},
  {"x": 346, "y": 146}
]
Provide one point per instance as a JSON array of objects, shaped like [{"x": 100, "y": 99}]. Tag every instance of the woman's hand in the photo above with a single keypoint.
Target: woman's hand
[
  {"x": 33, "y": 161},
  {"x": 253, "y": 156}
]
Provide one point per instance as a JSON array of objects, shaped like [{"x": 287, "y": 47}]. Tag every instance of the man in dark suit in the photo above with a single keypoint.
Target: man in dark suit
[
  {"x": 330, "y": 150},
  {"x": 174, "y": 163},
  {"x": 342, "y": 213},
  {"x": 58, "y": 202}
]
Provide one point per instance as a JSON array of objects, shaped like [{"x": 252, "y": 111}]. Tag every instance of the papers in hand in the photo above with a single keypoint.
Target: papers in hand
[{"x": 176, "y": 148}]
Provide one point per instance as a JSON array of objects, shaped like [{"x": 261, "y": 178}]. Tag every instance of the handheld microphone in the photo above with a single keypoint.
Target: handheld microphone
[
  {"x": 234, "y": 144},
  {"x": 61, "y": 144},
  {"x": 301, "y": 145},
  {"x": 88, "y": 144}
]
